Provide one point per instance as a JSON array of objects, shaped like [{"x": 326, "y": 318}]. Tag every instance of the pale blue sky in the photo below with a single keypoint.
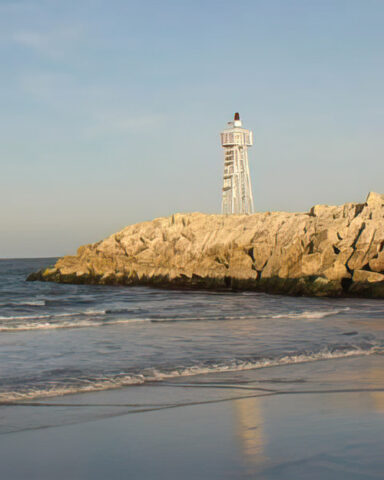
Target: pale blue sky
[{"x": 111, "y": 110}]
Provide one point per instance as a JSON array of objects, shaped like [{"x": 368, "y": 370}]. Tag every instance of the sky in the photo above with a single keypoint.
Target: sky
[{"x": 110, "y": 110}]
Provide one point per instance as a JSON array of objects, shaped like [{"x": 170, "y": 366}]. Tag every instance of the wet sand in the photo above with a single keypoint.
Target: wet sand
[{"x": 315, "y": 420}]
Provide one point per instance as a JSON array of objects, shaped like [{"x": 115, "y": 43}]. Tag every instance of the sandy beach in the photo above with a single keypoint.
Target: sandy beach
[{"x": 273, "y": 423}]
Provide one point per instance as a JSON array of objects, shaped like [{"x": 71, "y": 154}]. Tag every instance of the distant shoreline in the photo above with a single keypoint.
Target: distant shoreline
[{"x": 30, "y": 258}]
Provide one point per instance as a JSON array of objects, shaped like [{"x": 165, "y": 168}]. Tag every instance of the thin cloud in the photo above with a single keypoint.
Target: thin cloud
[
  {"x": 89, "y": 103},
  {"x": 34, "y": 40},
  {"x": 119, "y": 123},
  {"x": 46, "y": 85},
  {"x": 53, "y": 43},
  {"x": 14, "y": 5}
]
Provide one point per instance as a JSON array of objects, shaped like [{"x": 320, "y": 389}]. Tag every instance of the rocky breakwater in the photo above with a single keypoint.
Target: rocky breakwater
[{"x": 329, "y": 251}]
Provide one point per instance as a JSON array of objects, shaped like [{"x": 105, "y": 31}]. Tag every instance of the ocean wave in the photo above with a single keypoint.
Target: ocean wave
[
  {"x": 314, "y": 314},
  {"x": 291, "y": 315},
  {"x": 201, "y": 318},
  {"x": 46, "y": 326},
  {"x": 53, "y": 315},
  {"x": 60, "y": 325},
  {"x": 68, "y": 301},
  {"x": 83, "y": 385},
  {"x": 116, "y": 311},
  {"x": 54, "y": 321},
  {"x": 26, "y": 303}
]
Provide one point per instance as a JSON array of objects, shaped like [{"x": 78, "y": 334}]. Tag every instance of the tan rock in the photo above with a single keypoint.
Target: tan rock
[
  {"x": 375, "y": 200},
  {"x": 365, "y": 276},
  {"x": 337, "y": 271},
  {"x": 305, "y": 253},
  {"x": 358, "y": 259},
  {"x": 311, "y": 264},
  {"x": 377, "y": 264}
]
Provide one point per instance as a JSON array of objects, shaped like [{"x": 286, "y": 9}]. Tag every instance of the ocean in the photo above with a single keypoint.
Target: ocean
[
  {"x": 110, "y": 382},
  {"x": 63, "y": 339}
]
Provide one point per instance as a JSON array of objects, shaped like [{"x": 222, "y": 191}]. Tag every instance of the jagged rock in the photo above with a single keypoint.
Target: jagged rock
[
  {"x": 337, "y": 271},
  {"x": 376, "y": 264},
  {"x": 332, "y": 250},
  {"x": 365, "y": 276},
  {"x": 375, "y": 200}
]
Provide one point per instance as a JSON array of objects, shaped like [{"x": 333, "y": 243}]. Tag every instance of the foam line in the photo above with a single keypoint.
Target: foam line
[{"x": 118, "y": 381}]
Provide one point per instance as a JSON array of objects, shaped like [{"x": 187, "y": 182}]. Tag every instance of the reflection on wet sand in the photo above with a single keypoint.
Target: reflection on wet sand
[
  {"x": 249, "y": 430},
  {"x": 359, "y": 375},
  {"x": 375, "y": 376},
  {"x": 347, "y": 389}
]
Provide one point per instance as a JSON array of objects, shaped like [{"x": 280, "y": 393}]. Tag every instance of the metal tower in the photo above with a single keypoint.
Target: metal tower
[{"x": 237, "y": 188}]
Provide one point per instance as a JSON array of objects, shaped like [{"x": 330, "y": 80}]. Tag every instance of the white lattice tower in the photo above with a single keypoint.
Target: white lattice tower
[{"x": 237, "y": 188}]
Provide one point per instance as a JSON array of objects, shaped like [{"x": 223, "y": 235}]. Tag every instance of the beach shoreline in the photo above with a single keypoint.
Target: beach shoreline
[{"x": 296, "y": 421}]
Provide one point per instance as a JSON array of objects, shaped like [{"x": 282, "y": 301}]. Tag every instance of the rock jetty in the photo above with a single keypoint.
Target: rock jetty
[{"x": 329, "y": 251}]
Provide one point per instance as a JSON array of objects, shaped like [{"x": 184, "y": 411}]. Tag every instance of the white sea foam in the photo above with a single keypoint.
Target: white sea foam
[
  {"x": 48, "y": 326},
  {"x": 201, "y": 318},
  {"x": 53, "y": 321},
  {"x": 311, "y": 314},
  {"x": 26, "y": 317},
  {"x": 155, "y": 375},
  {"x": 308, "y": 314},
  {"x": 67, "y": 324},
  {"x": 53, "y": 316},
  {"x": 28, "y": 303}
]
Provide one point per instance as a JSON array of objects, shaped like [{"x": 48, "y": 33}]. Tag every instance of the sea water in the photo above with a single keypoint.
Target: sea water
[{"x": 60, "y": 339}]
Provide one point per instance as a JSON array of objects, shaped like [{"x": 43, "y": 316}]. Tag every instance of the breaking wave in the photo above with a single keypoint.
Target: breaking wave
[
  {"x": 89, "y": 384},
  {"x": 59, "y": 315},
  {"x": 26, "y": 303},
  {"x": 57, "y": 320},
  {"x": 67, "y": 324},
  {"x": 291, "y": 315},
  {"x": 311, "y": 314}
]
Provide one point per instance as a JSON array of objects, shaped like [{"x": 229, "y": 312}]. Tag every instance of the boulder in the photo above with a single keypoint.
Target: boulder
[
  {"x": 365, "y": 276},
  {"x": 375, "y": 200},
  {"x": 376, "y": 264}
]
